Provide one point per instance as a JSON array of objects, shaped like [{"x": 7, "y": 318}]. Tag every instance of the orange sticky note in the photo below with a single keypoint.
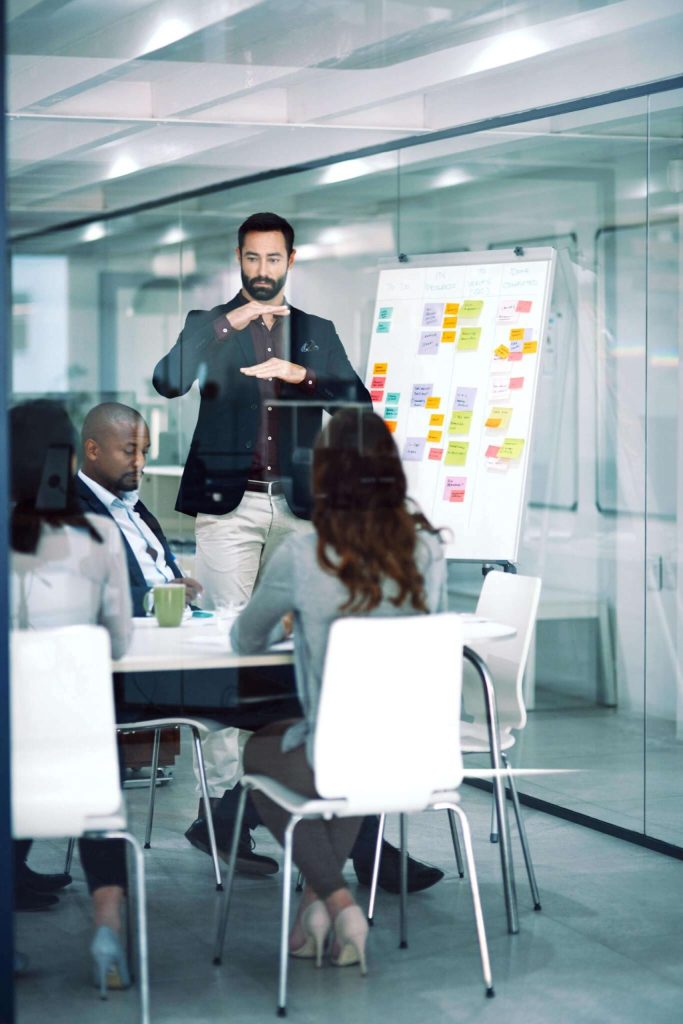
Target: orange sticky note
[
  {"x": 436, "y": 419},
  {"x": 451, "y": 309},
  {"x": 502, "y": 352},
  {"x": 434, "y": 435},
  {"x": 517, "y": 334},
  {"x": 380, "y": 369},
  {"x": 494, "y": 421},
  {"x": 448, "y": 336},
  {"x": 530, "y": 347},
  {"x": 432, "y": 403},
  {"x": 391, "y": 425},
  {"x": 449, "y": 322}
]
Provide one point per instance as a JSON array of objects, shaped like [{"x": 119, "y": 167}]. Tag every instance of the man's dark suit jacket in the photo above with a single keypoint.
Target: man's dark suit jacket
[
  {"x": 138, "y": 587},
  {"x": 222, "y": 449}
]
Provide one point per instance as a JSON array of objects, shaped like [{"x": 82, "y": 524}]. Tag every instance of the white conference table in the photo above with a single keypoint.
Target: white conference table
[{"x": 199, "y": 643}]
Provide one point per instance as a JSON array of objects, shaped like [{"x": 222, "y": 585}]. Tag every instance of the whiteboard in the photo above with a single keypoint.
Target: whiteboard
[{"x": 453, "y": 369}]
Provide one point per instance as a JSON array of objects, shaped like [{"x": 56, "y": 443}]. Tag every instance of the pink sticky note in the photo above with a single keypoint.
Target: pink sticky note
[
  {"x": 516, "y": 383},
  {"x": 378, "y": 382},
  {"x": 492, "y": 451},
  {"x": 436, "y": 454},
  {"x": 514, "y": 357},
  {"x": 458, "y": 495},
  {"x": 524, "y": 306},
  {"x": 376, "y": 396}
]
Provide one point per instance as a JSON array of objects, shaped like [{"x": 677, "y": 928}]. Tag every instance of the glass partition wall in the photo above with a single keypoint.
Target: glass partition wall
[{"x": 97, "y": 305}]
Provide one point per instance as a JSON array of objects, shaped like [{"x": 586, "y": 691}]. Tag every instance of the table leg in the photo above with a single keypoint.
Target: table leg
[{"x": 498, "y": 789}]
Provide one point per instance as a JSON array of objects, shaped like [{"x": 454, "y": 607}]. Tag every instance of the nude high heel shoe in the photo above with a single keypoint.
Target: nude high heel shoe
[
  {"x": 111, "y": 970},
  {"x": 316, "y": 923},
  {"x": 350, "y": 932}
]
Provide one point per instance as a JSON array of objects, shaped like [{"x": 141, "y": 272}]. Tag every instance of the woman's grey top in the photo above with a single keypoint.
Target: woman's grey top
[
  {"x": 294, "y": 581},
  {"x": 71, "y": 580}
]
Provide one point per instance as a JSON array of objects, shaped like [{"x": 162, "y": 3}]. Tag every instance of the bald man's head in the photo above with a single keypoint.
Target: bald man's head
[{"x": 115, "y": 445}]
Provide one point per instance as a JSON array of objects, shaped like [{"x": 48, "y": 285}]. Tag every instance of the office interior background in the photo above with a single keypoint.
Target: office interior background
[{"x": 141, "y": 134}]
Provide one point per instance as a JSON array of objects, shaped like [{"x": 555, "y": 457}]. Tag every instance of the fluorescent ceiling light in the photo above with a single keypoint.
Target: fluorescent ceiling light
[
  {"x": 452, "y": 176},
  {"x": 348, "y": 169},
  {"x": 123, "y": 165},
  {"x": 173, "y": 236},
  {"x": 169, "y": 31},
  {"x": 94, "y": 232},
  {"x": 508, "y": 48}
]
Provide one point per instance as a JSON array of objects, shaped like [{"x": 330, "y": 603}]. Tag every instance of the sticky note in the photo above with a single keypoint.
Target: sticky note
[
  {"x": 468, "y": 339},
  {"x": 499, "y": 387},
  {"x": 460, "y": 423},
  {"x": 376, "y": 396},
  {"x": 413, "y": 449},
  {"x": 456, "y": 453},
  {"x": 530, "y": 347},
  {"x": 435, "y": 454},
  {"x": 434, "y": 436},
  {"x": 523, "y": 306},
  {"x": 471, "y": 307},
  {"x": 500, "y": 413},
  {"x": 507, "y": 311},
  {"x": 457, "y": 495},
  {"x": 447, "y": 337},
  {"x": 380, "y": 369},
  {"x": 383, "y": 327},
  {"x": 464, "y": 398},
  {"x": 429, "y": 343},
  {"x": 493, "y": 422},
  {"x": 420, "y": 395},
  {"x": 516, "y": 383},
  {"x": 391, "y": 412},
  {"x": 432, "y": 314},
  {"x": 432, "y": 403},
  {"x": 455, "y": 488},
  {"x": 492, "y": 451},
  {"x": 393, "y": 397},
  {"x": 449, "y": 322},
  {"x": 391, "y": 425},
  {"x": 515, "y": 351},
  {"x": 436, "y": 419},
  {"x": 451, "y": 309},
  {"x": 511, "y": 448},
  {"x": 517, "y": 334},
  {"x": 385, "y": 312},
  {"x": 378, "y": 382},
  {"x": 502, "y": 352}
]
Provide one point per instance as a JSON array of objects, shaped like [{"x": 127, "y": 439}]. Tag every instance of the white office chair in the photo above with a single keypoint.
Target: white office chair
[
  {"x": 390, "y": 685},
  {"x": 65, "y": 768}
]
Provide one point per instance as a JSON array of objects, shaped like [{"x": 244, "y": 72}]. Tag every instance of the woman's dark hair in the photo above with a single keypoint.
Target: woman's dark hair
[
  {"x": 361, "y": 513},
  {"x": 43, "y": 488}
]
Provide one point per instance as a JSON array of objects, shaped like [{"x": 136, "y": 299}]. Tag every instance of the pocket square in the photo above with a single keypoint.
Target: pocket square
[{"x": 310, "y": 346}]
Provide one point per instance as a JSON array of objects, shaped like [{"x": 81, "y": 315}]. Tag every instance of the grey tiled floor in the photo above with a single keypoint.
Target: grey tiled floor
[{"x": 607, "y": 946}]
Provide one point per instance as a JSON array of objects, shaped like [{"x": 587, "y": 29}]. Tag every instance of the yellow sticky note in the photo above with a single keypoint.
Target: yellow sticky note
[
  {"x": 530, "y": 347},
  {"x": 432, "y": 403},
  {"x": 461, "y": 422},
  {"x": 456, "y": 453},
  {"x": 391, "y": 425},
  {"x": 380, "y": 369},
  {"x": 448, "y": 336},
  {"x": 449, "y": 322},
  {"x": 499, "y": 417},
  {"x": 468, "y": 339},
  {"x": 451, "y": 309},
  {"x": 502, "y": 352},
  {"x": 517, "y": 334},
  {"x": 434, "y": 435},
  {"x": 436, "y": 419},
  {"x": 471, "y": 307},
  {"x": 511, "y": 448}
]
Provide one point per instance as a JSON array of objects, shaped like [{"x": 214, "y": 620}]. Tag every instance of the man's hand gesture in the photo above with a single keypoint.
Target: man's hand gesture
[
  {"x": 281, "y": 369},
  {"x": 242, "y": 316}
]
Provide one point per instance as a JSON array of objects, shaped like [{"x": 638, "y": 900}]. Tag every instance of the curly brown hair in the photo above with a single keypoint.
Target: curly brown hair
[{"x": 366, "y": 531}]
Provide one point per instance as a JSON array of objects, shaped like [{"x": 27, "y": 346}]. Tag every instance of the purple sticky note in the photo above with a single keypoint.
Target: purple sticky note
[
  {"x": 420, "y": 394},
  {"x": 464, "y": 398},
  {"x": 429, "y": 343},
  {"x": 454, "y": 483},
  {"x": 413, "y": 449},
  {"x": 433, "y": 314}
]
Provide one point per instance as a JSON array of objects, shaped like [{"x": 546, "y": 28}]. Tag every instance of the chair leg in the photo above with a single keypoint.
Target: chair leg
[
  {"x": 201, "y": 768},
  {"x": 375, "y": 869},
  {"x": 69, "y": 856},
  {"x": 223, "y": 916},
  {"x": 535, "y": 895},
  {"x": 141, "y": 907},
  {"x": 456, "y": 844},
  {"x": 152, "y": 787},
  {"x": 476, "y": 900},
  {"x": 284, "y": 924},
  {"x": 493, "y": 836},
  {"x": 403, "y": 832}
]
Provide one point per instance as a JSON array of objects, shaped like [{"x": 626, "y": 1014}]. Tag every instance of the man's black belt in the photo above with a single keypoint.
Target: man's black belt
[{"x": 265, "y": 486}]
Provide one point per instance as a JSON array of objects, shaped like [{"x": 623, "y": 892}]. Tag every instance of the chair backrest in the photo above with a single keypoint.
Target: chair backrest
[
  {"x": 64, "y": 758},
  {"x": 388, "y": 728},
  {"x": 511, "y": 599}
]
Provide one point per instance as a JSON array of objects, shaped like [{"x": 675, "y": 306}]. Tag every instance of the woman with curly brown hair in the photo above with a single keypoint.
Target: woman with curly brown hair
[{"x": 371, "y": 554}]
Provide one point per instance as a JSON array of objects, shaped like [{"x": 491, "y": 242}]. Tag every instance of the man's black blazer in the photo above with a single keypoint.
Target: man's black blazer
[
  {"x": 222, "y": 449},
  {"x": 138, "y": 587}
]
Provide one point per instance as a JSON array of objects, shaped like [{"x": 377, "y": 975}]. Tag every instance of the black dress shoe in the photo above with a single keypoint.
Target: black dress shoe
[
  {"x": 26, "y": 898},
  {"x": 40, "y": 882},
  {"x": 248, "y": 862},
  {"x": 420, "y": 876}
]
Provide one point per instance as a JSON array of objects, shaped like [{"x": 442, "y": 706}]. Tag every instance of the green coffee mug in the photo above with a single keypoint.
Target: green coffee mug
[{"x": 168, "y": 602}]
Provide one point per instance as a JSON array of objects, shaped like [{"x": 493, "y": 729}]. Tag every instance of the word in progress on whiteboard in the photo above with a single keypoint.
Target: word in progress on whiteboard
[{"x": 453, "y": 368}]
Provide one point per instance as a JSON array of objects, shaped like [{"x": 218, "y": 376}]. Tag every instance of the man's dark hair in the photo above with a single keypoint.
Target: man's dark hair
[{"x": 267, "y": 222}]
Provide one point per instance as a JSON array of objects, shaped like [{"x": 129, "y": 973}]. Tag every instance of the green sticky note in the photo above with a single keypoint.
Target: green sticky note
[
  {"x": 390, "y": 413},
  {"x": 393, "y": 397},
  {"x": 511, "y": 448},
  {"x": 383, "y": 327},
  {"x": 471, "y": 307},
  {"x": 460, "y": 422},
  {"x": 385, "y": 312},
  {"x": 456, "y": 453},
  {"x": 468, "y": 339}
]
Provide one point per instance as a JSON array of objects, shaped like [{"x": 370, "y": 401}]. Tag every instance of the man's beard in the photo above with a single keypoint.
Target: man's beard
[{"x": 267, "y": 287}]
